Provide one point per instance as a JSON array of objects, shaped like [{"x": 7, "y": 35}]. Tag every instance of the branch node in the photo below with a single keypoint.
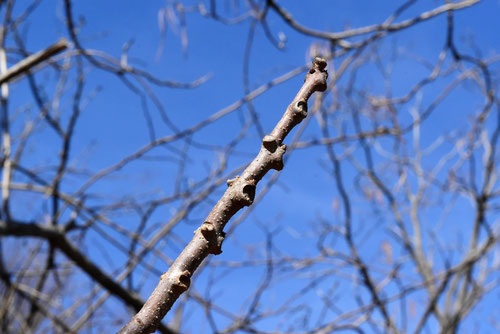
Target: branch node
[
  {"x": 184, "y": 280},
  {"x": 213, "y": 238},
  {"x": 270, "y": 143},
  {"x": 276, "y": 161},
  {"x": 243, "y": 192},
  {"x": 208, "y": 230},
  {"x": 300, "y": 110},
  {"x": 248, "y": 194},
  {"x": 217, "y": 249}
]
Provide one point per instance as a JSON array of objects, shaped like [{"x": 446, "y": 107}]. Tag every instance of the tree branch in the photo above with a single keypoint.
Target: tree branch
[
  {"x": 56, "y": 235},
  {"x": 29, "y": 62},
  {"x": 241, "y": 191}
]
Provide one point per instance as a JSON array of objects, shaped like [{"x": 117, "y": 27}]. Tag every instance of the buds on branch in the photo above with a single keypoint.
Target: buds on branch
[{"x": 240, "y": 193}]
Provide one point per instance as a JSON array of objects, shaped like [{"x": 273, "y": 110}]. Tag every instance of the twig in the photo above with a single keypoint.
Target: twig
[
  {"x": 29, "y": 62},
  {"x": 240, "y": 193}
]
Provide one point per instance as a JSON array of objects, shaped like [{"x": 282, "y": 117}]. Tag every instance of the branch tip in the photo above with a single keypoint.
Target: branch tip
[
  {"x": 318, "y": 67},
  {"x": 319, "y": 63}
]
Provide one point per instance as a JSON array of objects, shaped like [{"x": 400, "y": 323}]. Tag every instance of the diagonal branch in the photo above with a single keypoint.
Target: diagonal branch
[
  {"x": 31, "y": 61},
  {"x": 240, "y": 193}
]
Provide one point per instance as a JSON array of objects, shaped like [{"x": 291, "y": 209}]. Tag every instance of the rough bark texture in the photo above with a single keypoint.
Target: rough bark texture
[{"x": 241, "y": 191}]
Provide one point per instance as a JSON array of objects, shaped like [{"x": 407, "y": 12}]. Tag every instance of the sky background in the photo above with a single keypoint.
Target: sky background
[{"x": 113, "y": 124}]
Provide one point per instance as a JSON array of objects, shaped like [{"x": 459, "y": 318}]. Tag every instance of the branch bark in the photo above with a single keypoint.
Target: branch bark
[
  {"x": 209, "y": 236},
  {"x": 31, "y": 61}
]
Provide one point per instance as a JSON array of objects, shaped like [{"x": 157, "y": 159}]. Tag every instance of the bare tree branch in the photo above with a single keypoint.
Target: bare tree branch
[{"x": 241, "y": 192}]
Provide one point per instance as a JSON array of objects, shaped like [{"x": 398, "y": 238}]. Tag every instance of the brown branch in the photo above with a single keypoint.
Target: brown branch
[
  {"x": 29, "y": 62},
  {"x": 241, "y": 191}
]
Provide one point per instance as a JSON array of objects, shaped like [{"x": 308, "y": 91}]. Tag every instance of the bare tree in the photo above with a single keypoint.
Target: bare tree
[{"x": 383, "y": 219}]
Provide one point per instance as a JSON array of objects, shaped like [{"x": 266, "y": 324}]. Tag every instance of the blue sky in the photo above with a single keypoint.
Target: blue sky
[{"x": 113, "y": 125}]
